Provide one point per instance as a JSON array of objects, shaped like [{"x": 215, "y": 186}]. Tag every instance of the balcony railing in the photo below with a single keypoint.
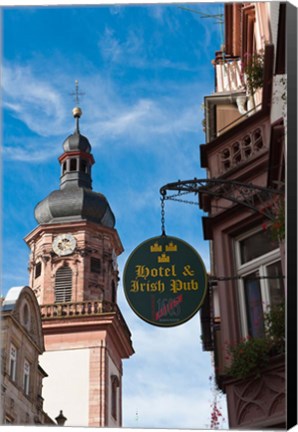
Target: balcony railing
[
  {"x": 76, "y": 309},
  {"x": 229, "y": 77},
  {"x": 242, "y": 149}
]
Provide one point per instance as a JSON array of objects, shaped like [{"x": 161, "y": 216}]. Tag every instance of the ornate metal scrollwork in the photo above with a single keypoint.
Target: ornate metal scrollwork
[{"x": 254, "y": 197}]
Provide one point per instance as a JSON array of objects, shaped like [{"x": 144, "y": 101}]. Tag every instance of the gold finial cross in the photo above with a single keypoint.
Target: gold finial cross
[{"x": 76, "y": 93}]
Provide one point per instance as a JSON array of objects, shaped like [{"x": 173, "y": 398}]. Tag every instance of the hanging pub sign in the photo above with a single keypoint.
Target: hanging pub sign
[{"x": 165, "y": 281}]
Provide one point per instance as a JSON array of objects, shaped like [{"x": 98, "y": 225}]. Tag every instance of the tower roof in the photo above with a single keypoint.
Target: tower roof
[
  {"x": 76, "y": 141},
  {"x": 75, "y": 199},
  {"x": 74, "y": 204}
]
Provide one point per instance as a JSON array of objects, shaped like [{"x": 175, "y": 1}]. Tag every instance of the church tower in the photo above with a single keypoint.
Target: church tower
[{"x": 74, "y": 274}]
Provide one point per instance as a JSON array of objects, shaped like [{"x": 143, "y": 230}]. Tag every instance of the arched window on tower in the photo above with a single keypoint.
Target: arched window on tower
[
  {"x": 115, "y": 384},
  {"x": 37, "y": 270},
  {"x": 73, "y": 165},
  {"x": 83, "y": 166},
  {"x": 64, "y": 167},
  {"x": 63, "y": 285}
]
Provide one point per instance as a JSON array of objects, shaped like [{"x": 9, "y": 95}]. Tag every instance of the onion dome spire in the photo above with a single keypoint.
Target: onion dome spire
[
  {"x": 75, "y": 200},
  {"x": 77, "y": 112}
]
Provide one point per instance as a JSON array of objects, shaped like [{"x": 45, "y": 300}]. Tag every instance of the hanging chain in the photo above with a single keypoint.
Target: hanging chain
[
  {"x": 162, "y": 199},
  {"x": 176, "y": 197}
]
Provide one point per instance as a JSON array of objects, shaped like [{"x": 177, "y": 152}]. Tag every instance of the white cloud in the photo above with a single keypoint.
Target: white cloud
[
  {"x": 108, "y": 114},
  {"x": 157, "y": 12},
  {"x": 130, "y": 51},
  {"x": 32, "y": 100},
  {"x": 37, "y": 153},
  {"x": 170, "y": 370},
  {"x": 127, "y": 119},
  {"x": 110, "y": 46},
  {"x": 134, "y": 53},
  {"x": 190, "y": 409}
]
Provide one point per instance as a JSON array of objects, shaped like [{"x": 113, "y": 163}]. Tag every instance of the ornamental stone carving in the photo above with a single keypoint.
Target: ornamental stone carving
[{"x": 259, "y": 399}]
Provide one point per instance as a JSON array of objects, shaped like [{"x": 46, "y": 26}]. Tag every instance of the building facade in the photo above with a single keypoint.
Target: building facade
[
  {"x": 21, "y": 373},
  {"x": 245, "y": 121},
  {"x": 74, "y": 275}
]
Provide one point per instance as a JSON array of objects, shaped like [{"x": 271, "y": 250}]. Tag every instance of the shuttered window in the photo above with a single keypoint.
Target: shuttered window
[{"x": 63, "y": 285}]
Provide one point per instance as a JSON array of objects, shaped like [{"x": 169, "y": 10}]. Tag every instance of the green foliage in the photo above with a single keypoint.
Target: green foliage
[
  {"x": 275, "y": 327},
  {"x": 277, "y": 227},
  {"x": 248, "y": 357},
  {"x": 252, "y": 355},
  {"x": 254, "y": 71}
]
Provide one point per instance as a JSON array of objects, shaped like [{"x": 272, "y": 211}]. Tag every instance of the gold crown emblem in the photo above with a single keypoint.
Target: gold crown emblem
[
  {"x": 156, "y": 248},
  {"x": 171, "y": 247},
  {"x": 163, "y": 258}
]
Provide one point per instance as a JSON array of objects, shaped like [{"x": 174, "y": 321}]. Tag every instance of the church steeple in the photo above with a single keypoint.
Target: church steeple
[
  {"x": 76, "y": 161},
  {"x": 75, "y": 200},
  {"x": 77, "y": 112},
  {"x": 74, "y": 274}
]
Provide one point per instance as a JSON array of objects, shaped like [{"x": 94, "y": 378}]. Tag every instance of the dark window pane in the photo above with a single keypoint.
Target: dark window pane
[
  {"x": 256, "y": 245},
  {"x": 83, "y": 166},
  {"x": 113, "y": 292},
  {"x": 38, "y": 270},
  {"x": 276, "y": 284},
  {"x": 95, "y": 265},
  {"x": 254, "y": 309},
  {"x": 73, "y": 164},
  {"x": 114, "y": 386},
  {"x": 25, "y": 315}
]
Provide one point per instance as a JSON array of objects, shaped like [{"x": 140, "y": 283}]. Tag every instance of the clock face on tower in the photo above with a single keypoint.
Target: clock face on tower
[{"x": 64, "y": 244}]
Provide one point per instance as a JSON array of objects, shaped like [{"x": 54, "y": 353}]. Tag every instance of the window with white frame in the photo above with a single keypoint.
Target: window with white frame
[
  {"x": 261, "y": 284},
  {"x": 26, "y": 377},
  {"x": 12, "y": 362}
]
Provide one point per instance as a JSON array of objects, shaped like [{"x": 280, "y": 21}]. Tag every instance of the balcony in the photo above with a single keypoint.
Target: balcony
[
  {"x": 230, "y": 153},
  {"x": 86, "y": 309},
  {"x": 76, "y": 309},
  {"x": 240, "y": 92},
  {"x": 242, "y": 149},
  {"x": 229, "y": 77}
]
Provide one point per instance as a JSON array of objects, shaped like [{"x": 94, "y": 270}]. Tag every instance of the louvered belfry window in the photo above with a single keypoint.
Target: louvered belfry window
[{"x": 63, "y": 284}]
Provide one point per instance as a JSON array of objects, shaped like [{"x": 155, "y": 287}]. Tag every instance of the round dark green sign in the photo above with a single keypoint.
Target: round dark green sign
[{"x": 165, "y": 281}]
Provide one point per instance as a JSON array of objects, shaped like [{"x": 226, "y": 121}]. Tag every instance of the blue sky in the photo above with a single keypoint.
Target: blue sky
[{"x": 144, "y": 71}]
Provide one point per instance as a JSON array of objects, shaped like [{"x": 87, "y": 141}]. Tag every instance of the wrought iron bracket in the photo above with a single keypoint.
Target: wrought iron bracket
[{"x": 256, "y": 198}]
